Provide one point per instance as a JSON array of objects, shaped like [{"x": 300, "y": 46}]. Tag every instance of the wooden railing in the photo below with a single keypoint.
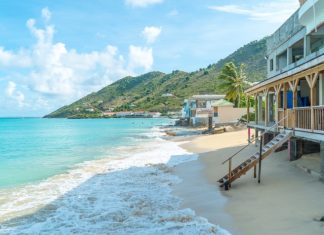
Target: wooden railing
[
  {"x": 318, "y": 118},
  {"x": 281, "y": 115},
  {"x": 303, "y": 118},
  {"x": 290, "y": 121},
  {"x": 255, "y": 139},
  {"x": 306, "y": 118}
]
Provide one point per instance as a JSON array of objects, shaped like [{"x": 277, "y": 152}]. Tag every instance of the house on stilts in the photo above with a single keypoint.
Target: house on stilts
[{"x": 289, "y": 104}]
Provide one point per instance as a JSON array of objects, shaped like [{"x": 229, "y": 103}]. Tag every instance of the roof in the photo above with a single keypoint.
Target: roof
[
  {"x": 313, "y": 64},
  {"x": 208, "y": 97},
  {"x": 222, "y": 102}
]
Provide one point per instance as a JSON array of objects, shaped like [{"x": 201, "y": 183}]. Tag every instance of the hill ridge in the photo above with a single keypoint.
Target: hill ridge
[{"x": 146, "y": 91}]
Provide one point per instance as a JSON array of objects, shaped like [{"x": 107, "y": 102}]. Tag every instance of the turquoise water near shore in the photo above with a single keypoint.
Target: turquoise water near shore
[
  {"x": 33, "y": 149},
  {"x": 93, "y": 176}
]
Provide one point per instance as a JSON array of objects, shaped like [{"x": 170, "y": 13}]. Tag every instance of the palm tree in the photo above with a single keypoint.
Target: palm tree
[{"x": 233, "y": 80}]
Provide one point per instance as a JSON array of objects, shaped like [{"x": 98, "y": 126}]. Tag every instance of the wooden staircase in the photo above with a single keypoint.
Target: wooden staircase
[{"x": 250, "y": 163}]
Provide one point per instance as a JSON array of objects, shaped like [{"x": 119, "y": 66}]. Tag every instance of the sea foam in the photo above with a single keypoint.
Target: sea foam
[{"x": 130, "y": 194}]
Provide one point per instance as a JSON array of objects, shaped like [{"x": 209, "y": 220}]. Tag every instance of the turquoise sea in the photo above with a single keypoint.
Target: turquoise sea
[
  {"x": 33, "y": 149},
  {"x": 92, "y": 176}
]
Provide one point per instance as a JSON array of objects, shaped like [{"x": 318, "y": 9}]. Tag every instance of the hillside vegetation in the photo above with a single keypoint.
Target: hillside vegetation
[{"x": 148, "y": 91}]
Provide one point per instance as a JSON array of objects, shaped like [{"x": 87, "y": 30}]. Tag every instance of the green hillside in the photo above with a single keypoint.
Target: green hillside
[{"x": 147, "y": 92}]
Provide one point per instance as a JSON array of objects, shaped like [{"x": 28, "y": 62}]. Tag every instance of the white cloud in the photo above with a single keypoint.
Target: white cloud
[
  {"x": 12, "y": 93},
  {"x": 140, "y": 57},
  {"x": 174, "y": 12},
  {"x": 142, "y": 3},
  {"x": 46, "y": 14},
  {"x": 19, "y": 59},
  {"x": 50, "y": 68},
  {"x": 11, "y": 87},
  {"x": 151, "y": 33},
  {"x": 272, "y": 12}
]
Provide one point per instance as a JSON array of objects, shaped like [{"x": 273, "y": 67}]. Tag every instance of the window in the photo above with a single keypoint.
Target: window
[{"x": 271, "y": 65}]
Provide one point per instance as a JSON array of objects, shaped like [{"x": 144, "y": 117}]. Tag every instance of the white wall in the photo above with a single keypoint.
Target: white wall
[{"x": 230, "y": 114}]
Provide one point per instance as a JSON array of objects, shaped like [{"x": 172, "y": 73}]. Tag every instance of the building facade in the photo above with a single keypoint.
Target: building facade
[
  {"x": 292, "y": 96},
  {"x": 197, "y": 110}
]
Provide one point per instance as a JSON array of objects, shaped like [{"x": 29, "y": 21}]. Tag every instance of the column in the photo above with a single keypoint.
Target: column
[
  {"x": 260, "y": 108},
  {"x": 294, "y": 103},
  {"x": 289, "y": 56},
  {"x": 248, "y": 108},
  {"x": 278, "y": 102},
  {"x": 256, "y": 110},
  {"x": 271, "y": 114},
  {"x": 321, "y": 89},
  {"x": 322, "y": 161},
  {"x": 307, "y": 47},
  {"x": 284, "y": 97},
  {"x": 312, "y": 103},
  {"x": 266, "y": 113},
  {"x": 296, "y": 150}
]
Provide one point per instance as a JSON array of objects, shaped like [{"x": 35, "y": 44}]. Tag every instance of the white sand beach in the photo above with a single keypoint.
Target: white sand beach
[{"x": 288, "y": 200}]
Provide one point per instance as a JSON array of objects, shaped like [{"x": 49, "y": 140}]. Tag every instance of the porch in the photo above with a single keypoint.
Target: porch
[{"x": 296, "y": 102}]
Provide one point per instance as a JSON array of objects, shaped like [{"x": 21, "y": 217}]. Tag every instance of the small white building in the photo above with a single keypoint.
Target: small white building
[
  {"x": 197, "y": 110},
  {"x": 203, "y": 109},
  {"x": 225, "y": 112}
]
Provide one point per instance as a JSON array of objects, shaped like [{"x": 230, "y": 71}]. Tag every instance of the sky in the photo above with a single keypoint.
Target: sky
[{"x": 53, "y": 52}]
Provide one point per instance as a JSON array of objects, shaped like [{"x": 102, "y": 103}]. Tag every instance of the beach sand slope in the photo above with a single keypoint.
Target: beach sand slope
[{"x": 287, "y": 201}]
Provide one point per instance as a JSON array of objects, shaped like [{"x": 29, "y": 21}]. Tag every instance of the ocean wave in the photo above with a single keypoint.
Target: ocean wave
[{"x": 130, "y": 194}]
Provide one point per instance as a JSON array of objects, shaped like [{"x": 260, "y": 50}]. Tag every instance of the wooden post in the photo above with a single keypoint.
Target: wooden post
[
  {"x": 284, "y": 101},
  {"x": 255, "y": 172},
  {"x": 312, "y": 103},
  {"x": 266, "y": 113},
  {"x": 248, "y": 108},
  {"x": 260, "y": 159},
  {"x": 229, "y": 172},
  {"x": 293, "y": 86},
  {"x": 311, "y": 80},
  {"x": 256, "y": 107},
  {"x": 249, "y": 135},
  {"x": 278, "y": 102}
]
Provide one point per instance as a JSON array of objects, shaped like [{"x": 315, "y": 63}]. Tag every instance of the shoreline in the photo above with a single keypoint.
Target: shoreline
[
  {"x": 125, "y": 195},
  {"x": 286, "y": 202}
]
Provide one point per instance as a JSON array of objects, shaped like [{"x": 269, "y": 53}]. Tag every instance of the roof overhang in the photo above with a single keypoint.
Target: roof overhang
[{"x": 301, "y": 71}]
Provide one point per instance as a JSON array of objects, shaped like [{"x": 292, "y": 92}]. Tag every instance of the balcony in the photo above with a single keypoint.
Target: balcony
[{"x": 311, "y": 14}]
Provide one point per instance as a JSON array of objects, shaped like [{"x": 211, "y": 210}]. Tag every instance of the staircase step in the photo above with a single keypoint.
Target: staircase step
[{"x": 252, "y": 161}]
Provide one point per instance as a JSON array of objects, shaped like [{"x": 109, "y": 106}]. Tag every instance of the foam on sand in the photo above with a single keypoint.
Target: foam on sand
[{"x": 128, "y": 195}]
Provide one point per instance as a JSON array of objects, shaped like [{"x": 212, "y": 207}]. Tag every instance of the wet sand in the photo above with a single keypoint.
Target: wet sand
[{"x": 288, "y": 200}]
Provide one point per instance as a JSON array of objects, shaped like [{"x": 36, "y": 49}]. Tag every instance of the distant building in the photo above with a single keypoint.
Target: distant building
[
  {"x": 167, "y": 95},
  {"x": 225, "y": 112},
  {"x": 155, "y": 114},
  {"x": 188, "y": 105},
  {"x": 109, "y": 114},
  {"x": 203, "y": 109},
  {"x": 138, "y": 114},
  {"x": 197, "y": 110}
]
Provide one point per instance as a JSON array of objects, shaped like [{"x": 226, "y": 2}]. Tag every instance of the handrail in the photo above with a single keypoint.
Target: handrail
[
  {"x": 318, "y": 106},
  {"x": 254, "y": 139},
  {"x": 304, "y": 108}
]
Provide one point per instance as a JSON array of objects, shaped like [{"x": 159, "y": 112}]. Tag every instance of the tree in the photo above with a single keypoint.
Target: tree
[{"x": 233, "y": 81}]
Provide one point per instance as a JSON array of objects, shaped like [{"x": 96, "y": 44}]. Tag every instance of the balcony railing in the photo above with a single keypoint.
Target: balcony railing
[
  {"x": 319, "y": 118},
  {"x": 303, "y": 117}
]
